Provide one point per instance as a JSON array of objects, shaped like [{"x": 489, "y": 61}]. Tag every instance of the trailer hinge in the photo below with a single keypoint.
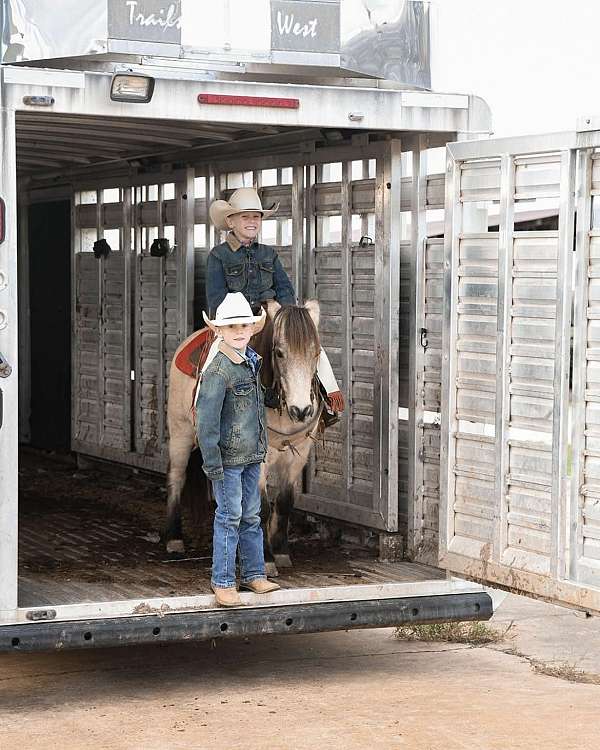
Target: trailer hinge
[
  {"x": 41, "y": 614},
  {"x": 424, "y": 340}
]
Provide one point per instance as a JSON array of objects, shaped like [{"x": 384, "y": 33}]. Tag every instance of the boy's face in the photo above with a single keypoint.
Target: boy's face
[
  {"x": 238, "y": 335},
  {"x": 246, "y": 225}
]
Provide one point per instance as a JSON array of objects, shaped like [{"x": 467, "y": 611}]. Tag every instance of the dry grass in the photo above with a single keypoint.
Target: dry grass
[
  {"x": 565, "y": 671},
  {"x": 472, "y": 633}
]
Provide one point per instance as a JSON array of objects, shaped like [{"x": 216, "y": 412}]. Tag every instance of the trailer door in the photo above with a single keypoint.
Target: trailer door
[{"x": 520, "y": 454}]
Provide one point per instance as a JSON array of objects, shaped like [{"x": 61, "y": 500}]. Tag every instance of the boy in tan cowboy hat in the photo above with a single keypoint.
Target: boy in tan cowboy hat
[
  {"x": 232, "y": 436},
  {"x": 242, "y": 264}
]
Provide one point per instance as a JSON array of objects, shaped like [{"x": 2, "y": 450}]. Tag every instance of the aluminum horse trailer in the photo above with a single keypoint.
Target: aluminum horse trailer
[{"x": 136, "y": 137}]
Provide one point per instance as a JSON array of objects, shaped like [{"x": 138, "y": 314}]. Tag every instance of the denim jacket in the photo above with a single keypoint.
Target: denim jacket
[
  {"x": 254, "y": 270},
  {"x": 230, "y": 412}
]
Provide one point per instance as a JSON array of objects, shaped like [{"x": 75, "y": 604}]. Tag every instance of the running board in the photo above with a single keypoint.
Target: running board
[{"x": 247, "y": 621}]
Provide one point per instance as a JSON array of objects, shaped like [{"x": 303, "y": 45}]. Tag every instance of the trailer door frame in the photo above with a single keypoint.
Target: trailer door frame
[{"x": 9, "y": 384}]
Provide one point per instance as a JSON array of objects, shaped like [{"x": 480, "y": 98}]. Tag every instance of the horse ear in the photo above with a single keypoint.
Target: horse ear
[
  {"x": 312, "y": 305},
  {"x": 272, "y": 306}
]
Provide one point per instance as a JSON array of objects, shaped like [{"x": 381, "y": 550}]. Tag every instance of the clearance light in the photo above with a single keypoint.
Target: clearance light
[
  {"x": 38, "y": 101},
  {"x": 131, "y": 88},
  {"x": 249, "y": 101}
]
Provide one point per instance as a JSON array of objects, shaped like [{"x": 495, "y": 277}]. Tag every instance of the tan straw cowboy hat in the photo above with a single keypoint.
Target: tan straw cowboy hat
[
  {"x": 243, "y": 199},
  {"x": 235, "y": 308}
]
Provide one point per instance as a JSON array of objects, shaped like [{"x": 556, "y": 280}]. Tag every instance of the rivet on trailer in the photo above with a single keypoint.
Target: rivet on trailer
[{"x": 112, "y": 150}]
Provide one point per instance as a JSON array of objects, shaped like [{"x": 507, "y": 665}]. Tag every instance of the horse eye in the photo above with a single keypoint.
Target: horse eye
[{"x": 279, "y": 353}]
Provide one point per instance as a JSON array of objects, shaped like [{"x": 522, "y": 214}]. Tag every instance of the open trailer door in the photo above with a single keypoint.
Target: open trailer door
[{"x": 520, "y": 456}]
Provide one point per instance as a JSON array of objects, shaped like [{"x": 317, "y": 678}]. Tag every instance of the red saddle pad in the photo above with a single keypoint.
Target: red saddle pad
[{"x": 193, "y": 355}]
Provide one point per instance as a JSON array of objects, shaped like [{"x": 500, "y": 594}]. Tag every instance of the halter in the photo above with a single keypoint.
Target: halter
[
  {"x": 315, "y": 391},
  {"x": 315, "y": 395},
  {"x": 301, "y": 434}
]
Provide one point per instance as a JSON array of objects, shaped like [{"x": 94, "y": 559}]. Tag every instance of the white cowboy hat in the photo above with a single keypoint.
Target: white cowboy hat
[
  {"x": 243, "y": 199},
  {"x": 235, "y": 308}
]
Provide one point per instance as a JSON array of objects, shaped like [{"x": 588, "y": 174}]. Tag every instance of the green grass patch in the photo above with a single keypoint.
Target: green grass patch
[{"x": 472, "y": 633}]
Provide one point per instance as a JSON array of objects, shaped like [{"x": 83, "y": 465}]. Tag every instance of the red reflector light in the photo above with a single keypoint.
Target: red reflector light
[
  {"x": 2, "y": 221},
  {"x": 249, "y": 101}
]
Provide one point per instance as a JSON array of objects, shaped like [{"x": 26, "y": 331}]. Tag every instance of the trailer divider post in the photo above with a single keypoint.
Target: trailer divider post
[
  {"x": 387, "y": 284},
  {"x": 416, "y": 365}
]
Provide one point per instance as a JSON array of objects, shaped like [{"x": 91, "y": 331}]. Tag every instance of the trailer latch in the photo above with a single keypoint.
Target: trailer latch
[
  {"x": 5, "y": 368},
  {"x": 424, "y": 339},
  {"x": 40, "y": 614}
]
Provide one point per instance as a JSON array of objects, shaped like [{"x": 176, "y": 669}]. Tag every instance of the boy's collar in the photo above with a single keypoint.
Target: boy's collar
[
  {"x": 233, "y": 355},
  {"x": 235, "y": 244}
]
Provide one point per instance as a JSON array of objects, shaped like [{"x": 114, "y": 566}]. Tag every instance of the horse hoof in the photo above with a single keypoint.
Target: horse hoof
[
  {"x": 282, "y": 561},
  {"x": 175, "y": 546},
  {"x": 271, "y": 570}
]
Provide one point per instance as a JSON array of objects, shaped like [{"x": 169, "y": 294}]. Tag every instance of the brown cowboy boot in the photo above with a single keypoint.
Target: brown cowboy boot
[
  {"x": 260, "y": 586},
  {"x": 227, "y": 597}
]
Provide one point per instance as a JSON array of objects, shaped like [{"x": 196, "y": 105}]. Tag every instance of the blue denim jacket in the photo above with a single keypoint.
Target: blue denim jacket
[
  {"x": 230, "y": 412},
  {"x": 254, "y": 270}
]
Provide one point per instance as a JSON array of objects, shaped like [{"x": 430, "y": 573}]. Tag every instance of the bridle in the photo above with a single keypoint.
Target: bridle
[{"x": 315, "y": 396}]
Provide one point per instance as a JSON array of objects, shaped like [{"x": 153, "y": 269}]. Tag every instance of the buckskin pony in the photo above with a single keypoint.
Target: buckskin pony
[{"x": 289, "y": 345}]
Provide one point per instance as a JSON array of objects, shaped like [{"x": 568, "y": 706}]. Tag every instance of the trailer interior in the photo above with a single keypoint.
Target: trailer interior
[{"x": 91, "y": 530}]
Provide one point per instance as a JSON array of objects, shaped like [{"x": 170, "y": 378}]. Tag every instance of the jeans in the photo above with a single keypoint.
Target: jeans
[{"x": 237, "y": 522}]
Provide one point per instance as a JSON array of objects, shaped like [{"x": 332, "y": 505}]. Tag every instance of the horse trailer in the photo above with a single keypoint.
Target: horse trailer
[{"x": 468, "y": 441}]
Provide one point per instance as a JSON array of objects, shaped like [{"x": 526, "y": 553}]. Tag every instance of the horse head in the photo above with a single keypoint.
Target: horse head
[{"x": 291, "y": 351}]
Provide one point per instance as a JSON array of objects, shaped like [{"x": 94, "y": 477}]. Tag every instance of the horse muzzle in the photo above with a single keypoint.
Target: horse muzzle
[{"x": 300, "y": 415}]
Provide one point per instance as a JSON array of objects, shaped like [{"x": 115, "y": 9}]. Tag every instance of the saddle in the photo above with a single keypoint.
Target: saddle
[{"x": 191, "y": 358}]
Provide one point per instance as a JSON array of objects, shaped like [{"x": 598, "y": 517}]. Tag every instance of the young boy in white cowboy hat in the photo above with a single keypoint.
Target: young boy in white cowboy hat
[
  {"x": 232, "y": 436},
  {"x": 242, "y": 264}
]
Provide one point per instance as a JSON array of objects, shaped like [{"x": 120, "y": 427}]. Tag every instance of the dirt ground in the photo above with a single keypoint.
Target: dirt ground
[{"x": 337, "y": 690}]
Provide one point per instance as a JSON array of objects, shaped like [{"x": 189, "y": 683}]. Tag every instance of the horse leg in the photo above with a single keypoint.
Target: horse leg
[
  {"x": 286, "y": 471},
  {"x": 265, "y": 512},
  {"x": 179, "y": 454},
  {"x": 278, "y": 526}
]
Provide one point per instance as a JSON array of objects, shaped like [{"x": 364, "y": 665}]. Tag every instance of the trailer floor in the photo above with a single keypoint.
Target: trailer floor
[{"x": 94, "y": 535}]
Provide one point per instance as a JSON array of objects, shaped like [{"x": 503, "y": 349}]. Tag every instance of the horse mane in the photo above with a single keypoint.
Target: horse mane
[
  {"x": 295, "y": 324},
  {"x": 262, "y": 344}
]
